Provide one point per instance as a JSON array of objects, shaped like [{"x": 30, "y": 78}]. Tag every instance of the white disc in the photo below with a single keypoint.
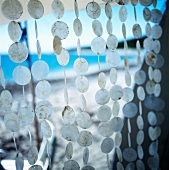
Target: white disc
[
  {"x": 82, "y": 84},
  {"x": 12, "y": 9},
  {"x": 128, "y": 94},
  {"x": 93, "y": 10},
  {"x": 130, "y": 110},
  {"x": 35, "y": 9},
  {"x": 119, "y": 154},
  {"x": 113, "y": 59},
  {"x": 83, "y": 102},
  {"x": 69, "y": 151},
  {"x": 154, "y": 133},
  {"x": 85, "y": 138},
  {"x": 141, "y": 93},
  {"x": 113, "y": 76},
  {"x": 109, "y": 27},
  {"x": 140, "y": 152},
  {"x": 40, "y": 70},
  {"x": 98, "y": 45},
  {"x": 77, "y": 26},
  {"x": 60, "y": 29},
  {"x": 102, "y": 80},
  {"x": 71, "y": 165},
  {"x": 140, "y": 77},
  {"x": 117, "y": 139},
  {"x": 159, "y": 61},
  {"x": 83, "y": 120},
  {"x": 14, "y": 31},
  {"x": 97, "y": 28},
  {"x": 21, "y": 75},
  {"x": 57, "y": 9},
  {"x": 127, "y": 78},
  {"x": 137, "y": 32},
  {"x": 104, "y": 129},
  {"x": 63, "y": 57},
  {"x": 156, "y": 16},
  {"x": 129, "y": 154},
  {"x": 108, "y": 10},
  {"x": 156, "y": 32},
  {"x": 157, "y": 90},
  {"x": 148, "y": 29},
  {"x": 152, "y": 119},
  {"x": 148, "y": 44},
  {"x": 140, "y": 137},
  {"x": 112, "y": 42},
  {"x": 146, "y": 14},
  {"x": 104, "y": 113},
  {"x": 18, "y": 52},
  {"x": 123, "y": 13},
  {"x": 43, "y": 89},
  {"x": 116, "y": 92},
  {"x": 19, "y": 161},
  {"x": 150, "y": 86},
  {"x": 157, "y": 75},
  {"x": 116, "y": 124},
  {"x": 76, "y": 9},
  {"x": 156, "y": 46},
  {"x": 69, "y": 132},
  {"x": 46, "y": 129},
  {"x": 32, "y": 155},
  {"x": 102, "y": 96},
  {"x": 150, "y": 58},
  {"x": 116, "y": 108},
  {"x": 107, "y": 145},
  {"x": 57, "y": 45},
  {"x": 68, "y": 114},
  {"x": 81, "y": 66}
]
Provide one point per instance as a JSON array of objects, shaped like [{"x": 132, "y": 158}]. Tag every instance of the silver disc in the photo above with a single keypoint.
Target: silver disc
[
  {"x": 153, "y": 163},
  {"x": 88, "y": 167},
  {"x": 150, "y": 58},
  {"x": 141, "y": 93},
  {"x": 113, "y": 76},
  {"x": 146, "y": 2},
  {"x": 112, "y": 42},
  {"x": 150, "y": 86},
  {"x": 57, "y": 45},
  {"x": 85, "y": 156},
  {"x": 101, "y": 80},
  {"x": 152, "y": 119}
]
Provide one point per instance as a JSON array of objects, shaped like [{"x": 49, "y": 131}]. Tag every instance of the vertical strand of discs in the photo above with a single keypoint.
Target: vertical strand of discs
[
  {"x": 153, "y": 88},
  {"x": 40, "y": 70}
]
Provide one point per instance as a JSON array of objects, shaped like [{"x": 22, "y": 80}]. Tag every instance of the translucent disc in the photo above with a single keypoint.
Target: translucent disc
[
  {"x": 153, "y": 148},
  {"x": 35, "y": 167},
  {"x": 148, "y": 29},
  {"x": 148, "y": 44},
  {"x": 130, "y": 110},
  {"x": 32, "y": 155},
  {"x": 140, "y": 137},
  {"x": 93, "y": 10},
  {"x": 35, "y": 9},
  {"x": 137, "y": 32},
  {"x": 77, "y": 26},
  {"x": 46, "y": 129},
  {"x": 60, "y": 29},
  {"x": 81, "y": 66},
  {"x": 156, "y": 46},
  {"x": 146, "y": 14},
  {"x": 19, "y": 162},
  {"x": 76, "y": 8},
  {"x": 108, "y": 10},
  {"x": 119, "y": 166},
  {"x": 116, "y": 92},
  {"x": 156, "y": 16},
  {"x": 128, "y": 94},
  {"x": 83, "y": 120},
  {"x": 102, "y": 80},
  {"x": 160, "y": 118},
  {"x": 12, "y": 9},
  {"x": 116, "y": 124},
  {"x": 70, "y": 132},
  {"x": 88, "y": 167},
  {"x": 109, "y": 27},
  {"x": 102, "y": 97},
  {"x": 14, "y": 31},
  {"x": 69, "y": 151},
  {"x": 12, "y": 122},
  {"x": 21, "y": 75},
  {"x": 123, "y": 13},
  {"x": 127, "y": 78},
  {"x": 85, "y": 156},
  {"x": 134, "y": 2},
  {"x": 112, "y": 42},
  {"x": 119, "y": 154},
  {"x": 113, "y": 76},
  {"x": 150, "y": 86},
  {"x": 83, "y": 102},
  {"x": 43, "y": 110},
  {"x": 98, "y": 45},
  {"x": 57, "y": 45},
  {"x": 57, "y": 9},
  {"x": 157, "y": 75},
  {"x": 154, "y": 133},
  {"x": 104, "y": 129},
  {"x": 18, "y": 52},
  {"x": 152, "y": 119},
  {"x": 159, "y": 61},
  {"x": 40, "y": 70},
  {"x": 156, "y": 32},
  {"x": 104, "y": 113},
  {"x": 82, "y": 84},
  {"x": 107, "y": 145},
  {"x": 124, "y": 30},
  {"x": 43, "y": 89},
  {"x": 150, "y": 58},
  {"x": 68, "y": 114},
  {"x": 153, "y": 163},
  {"x": 140, "y": 77},
  {"x": 140, "y": 152},
  {"x": 38, "y": 47},
  {"x": 85, "y": 138},
  {"x": 6, "y": 96},
  {"x": 26, "y": 116},
  {"x": 63, "y": 57},
  {"x": 145, "y": 2},
  {"x": 117, "y": 139},
  {"x": 141, "y": 93},
  {"x": 157, "y": 90},
  {"x": 71, "y": 165},
  {"x": 113, "y": 59},
  {"x": 129, "y": 154},
  {"x": 116, "y": 108},
  {"x": 97, "y": 28}
]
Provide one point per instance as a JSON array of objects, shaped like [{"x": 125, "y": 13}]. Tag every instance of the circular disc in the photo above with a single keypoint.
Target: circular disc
[
  {"x": 116, "y": 108},
  {"x": 81, "y": 66},
  {"x": 117, "y": 139},
  {"x": 83, "y": 120},
  {"x": 102, "y": 80},
  {"x": 153, "y": 163},
  {"x": 18, "y": 52},
  {"x": 148, "y": 29},
  {"x": 150, "y": 86},
  {"x": 85, "y": 156},
  {"x": 77, "y": 26},
  {"x": 128, "y": 94},
  {"x": 113, "y": 59},
  {"x": 88, "y": 167},
  {"x": 104, "y": 129},
  {"x": 116, "y": 124},
  {"x": 57, "y": 45},
  {"x": 12, "y": 9},
  {"x": 63, "y": 57},
  {"x": 156, "y": 16},
  {"x": 32, "y": 155},
  {"x": 140, "y": 152},
  {"x": 82, "y": 84},
  {"x": 141, "y": 93},
  {"x": 69, "y": 151},
  {"x": 35, "y": 9},
  {"x": 156, "y": 32},
  {"x": 123, "y": 13},
  {"x": 107, "y": 145},
  {"x": 156, "y": 46},
  {"x": 97, "y": 28},
  {"x": 104, "y": 113},
  {"x": 14, "y": 31},
  {"x": 113, "y": 76},
  {"x": 21, "y": 75},
  {"x": 68, "y": 114},
  {"x": 12, "y": 122},
  {"x": 69, "y": 132},
  {"x": 93, "y": 10},
  {"x": 71, "y": 165},
  {"x": 159, "y": 61},
  {"x": 98, "y": 45},
  {"x": 150, "y": 58},
  {"x": 153, "y": 148},
  {"x": 140, "y": 77},
  {"x": 112, "y": 42},
  {"x": 57, "y": 9},
  {"x": 152, "y": 119},
  {"x": 85, "y": 138},
  {"x": 19, "y": 161},
  {"x": 43, "y": 89},
  {"x": 129, "y": 154},
  {"x": 60, "y": 29},
  {"x": 40, "y": 70},
  {"x": 35, "y": 167},
  {"x": 109, "y": 27},
  {"x": 130, "y": 110},
  {"x": 102, "y": 96},
  {"x": 148, "y": 44},
  {"x": 157, "y": 90},
  {"x": 46, "y": 129},
  {"x": 140, "y": 137},
  {"x": 26, "y": 116},
  {"x": 137, "y": 32},
  {"x": 108, "y": 11},
  {"x": 146, "y": 2},
  {"x": 146, "y": 14},
  {"x": 116, "y": 92}
]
